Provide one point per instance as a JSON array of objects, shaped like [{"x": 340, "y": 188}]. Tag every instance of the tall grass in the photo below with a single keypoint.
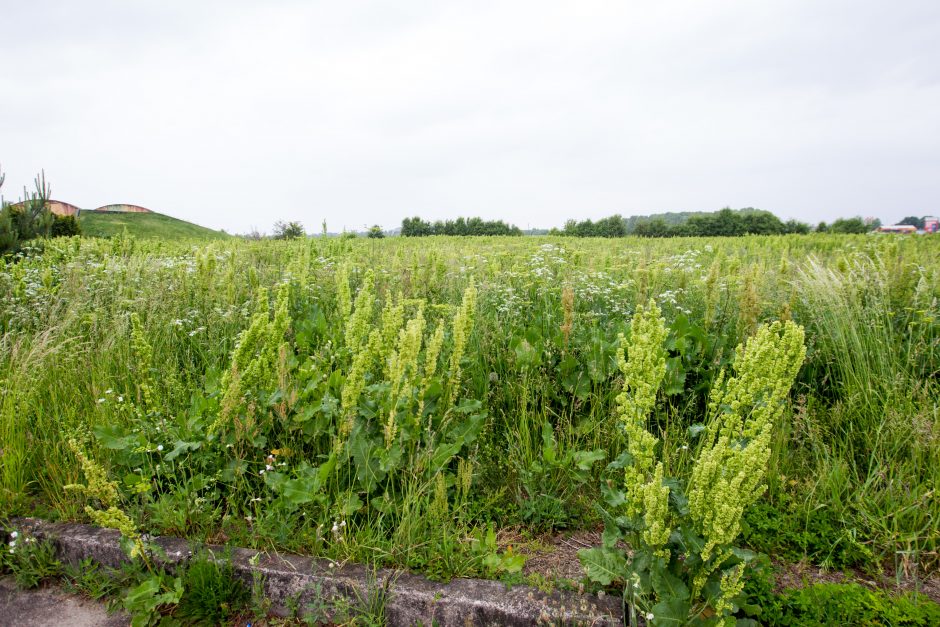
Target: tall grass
[{"x": 861, "y": 443}]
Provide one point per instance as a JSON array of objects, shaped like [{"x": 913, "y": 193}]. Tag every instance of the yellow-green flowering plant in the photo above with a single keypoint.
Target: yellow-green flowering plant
[{"x": 682, "y": 566}]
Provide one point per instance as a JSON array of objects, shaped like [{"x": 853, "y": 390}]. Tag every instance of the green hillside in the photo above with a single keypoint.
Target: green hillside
[{"x": 144, "y": 225}]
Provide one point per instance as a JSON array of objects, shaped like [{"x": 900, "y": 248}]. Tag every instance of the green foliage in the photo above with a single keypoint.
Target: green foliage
[
  {"x": 288, "y": 230},
  {"x": 790, "y": 534},
  {"x": 836, "y": 604},
  {"x": 376, "y": 232},
  {"x": 684, "y": 566},
  {"x": 88, "y": 578},
  {"x": 211, "y": 593},
  {"x": 31, "y": 562},
  {"x": 416, "y": 227},
  {"x": 552, "y": 481},
  {"x": 420, "y": 417},
  {"x": 723, "y": 223},
  {"x": 64, "y": 226},
  {"x": 149, "y": 601},
  {"x": 31, "y": 218},
  {"x": 849, "y": 225}
]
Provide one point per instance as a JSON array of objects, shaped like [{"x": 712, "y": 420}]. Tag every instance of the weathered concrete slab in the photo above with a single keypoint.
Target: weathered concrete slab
[
  {"x": 51, "y": 607},
  {"x": 293, "y": 580}
]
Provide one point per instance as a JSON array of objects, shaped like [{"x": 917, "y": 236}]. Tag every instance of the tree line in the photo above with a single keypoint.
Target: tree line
[
  {"x": 416, "y": 227},
  {"x": 727, "y": 222}
]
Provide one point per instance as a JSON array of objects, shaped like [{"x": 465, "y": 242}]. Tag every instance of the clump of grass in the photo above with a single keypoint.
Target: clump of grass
[
  {"x": 212, "y": 595},
  {"x": 32, "y": 562}
]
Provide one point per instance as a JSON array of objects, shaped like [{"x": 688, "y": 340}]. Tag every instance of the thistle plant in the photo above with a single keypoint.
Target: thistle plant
[{"x": 684, "y": 566}]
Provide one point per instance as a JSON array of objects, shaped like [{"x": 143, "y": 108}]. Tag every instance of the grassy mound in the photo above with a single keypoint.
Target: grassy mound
[{"x": 144, "y": 225}]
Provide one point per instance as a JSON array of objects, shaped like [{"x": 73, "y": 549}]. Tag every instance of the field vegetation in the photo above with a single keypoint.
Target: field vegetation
[{"x": 405, "y": 401}]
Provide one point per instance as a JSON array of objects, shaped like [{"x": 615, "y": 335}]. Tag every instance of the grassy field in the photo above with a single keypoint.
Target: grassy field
[
  {"x": 142, "y": 225},
  {"x": 407, "y": 401}
]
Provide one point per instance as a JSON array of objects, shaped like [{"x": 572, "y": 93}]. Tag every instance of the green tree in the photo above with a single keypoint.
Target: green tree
[
  {"x": 288, "y": 230},
  {"x": 795, "y": 226},
  {"x": 917, "y": 223},
  {"x": 28, "y": 218},
  {"x": 849, "y": 225},
  {"x": 376, "y": 232}
]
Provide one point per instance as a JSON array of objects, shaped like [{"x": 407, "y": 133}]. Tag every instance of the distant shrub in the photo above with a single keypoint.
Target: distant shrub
[
  {"x": 288, "y": 230},
  {"x": 65, "y": 226}
]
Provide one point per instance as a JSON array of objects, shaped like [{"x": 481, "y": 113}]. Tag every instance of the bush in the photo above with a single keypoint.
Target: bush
[
  {"x": 288, "y": 230},
  {"x": 64, "y": 226}
]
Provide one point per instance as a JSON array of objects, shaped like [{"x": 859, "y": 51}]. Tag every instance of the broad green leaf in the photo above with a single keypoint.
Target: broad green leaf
[
  {"x": 586, "y": 459},
  {"x": 611, "y": 536},
  {"x": 513, "y": 563},
  {"x": 667, "y": 585},
  {"x": 351, "y": 505},
  {"x": 115, "y": 438},
  {"x": 181, "y": 447},
  {"x": 603, "y": 565},
  {"x": 301, "y": 490},
  {"x": 671, "y": 612},
  {"x": 623, "y": 460}
]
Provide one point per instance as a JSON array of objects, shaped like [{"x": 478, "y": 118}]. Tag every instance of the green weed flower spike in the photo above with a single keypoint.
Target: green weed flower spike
[
  {"x": 255, "y": 359},
  {"x": 643, "y": 374},
  {"x": 462, "y": 327},
  {"x": 729, "y": 471},
  {"x": 343, "y": 295},
  {"x": 393, "y": 316},
  {"x": 105, "y": 492},
  {"x": 143, "y": 353},
  {"x": 403, "y": 366},
  {"x": 357, "y": 325}
]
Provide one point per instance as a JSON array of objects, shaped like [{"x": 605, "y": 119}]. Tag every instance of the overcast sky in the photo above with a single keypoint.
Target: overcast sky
[{"x": 235, "y": 114}]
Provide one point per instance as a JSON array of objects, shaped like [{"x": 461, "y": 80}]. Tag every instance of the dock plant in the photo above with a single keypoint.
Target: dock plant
[{"x": 679, "y": 562}]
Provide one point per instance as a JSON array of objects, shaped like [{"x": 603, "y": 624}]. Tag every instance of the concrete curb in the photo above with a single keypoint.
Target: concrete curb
[{"x": 410, "y": 599}]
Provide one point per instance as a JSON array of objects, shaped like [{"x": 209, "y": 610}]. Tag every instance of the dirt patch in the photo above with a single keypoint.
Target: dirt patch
[{"x": 556, "y": 556}]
